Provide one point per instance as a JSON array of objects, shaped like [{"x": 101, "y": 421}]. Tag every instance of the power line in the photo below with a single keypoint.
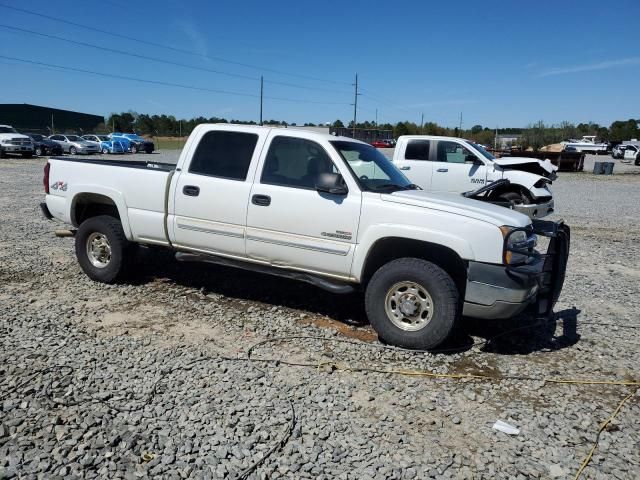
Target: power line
[
  {"x": 168, "y": 47},
  {"x": 160, "y": 60},
  {"x": 167, "y": 84}
]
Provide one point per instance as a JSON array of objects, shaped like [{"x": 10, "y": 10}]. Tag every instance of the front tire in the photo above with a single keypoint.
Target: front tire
[
  {"x": 73, "y": 151},
  {"x": 134, "y": 149},
  {"x": 412, "y": 303},
  {"x": 105, "y": 151},
  {"x": 102, "y": 248},
  {"x": 637, "y": 162},
  {"x": 27, "y": 155},
  {"x": 38, "y": 151},
  {"x": 514, "y": 198}
]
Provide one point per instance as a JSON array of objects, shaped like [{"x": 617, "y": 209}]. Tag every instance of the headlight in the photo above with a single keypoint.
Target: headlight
[
  {"x": 6, "y": 141},
  {"x": 519, "y": 245}
]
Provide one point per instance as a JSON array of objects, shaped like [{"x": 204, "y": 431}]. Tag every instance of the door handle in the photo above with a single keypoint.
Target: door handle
[
  {"x": 261, "y": 200},
  {"x": 191, "y": 190},
  {"x": 442, "y": 170},
  {"x": 405, "y": 168}
]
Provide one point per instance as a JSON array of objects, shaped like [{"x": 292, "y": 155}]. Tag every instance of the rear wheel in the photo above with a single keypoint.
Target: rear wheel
[
  {"x": 412, "y": 303},
  {"x": 27, "y": 155},
  {"x": 105, "y": 150},
  {"x": 134, "y": 149},
  {"x": 102, "y": 248},
  {"x": 637, "y": 162}
]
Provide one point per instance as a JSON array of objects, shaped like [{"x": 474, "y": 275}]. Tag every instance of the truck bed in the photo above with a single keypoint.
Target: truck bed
[{"x": 167, "y": 167}]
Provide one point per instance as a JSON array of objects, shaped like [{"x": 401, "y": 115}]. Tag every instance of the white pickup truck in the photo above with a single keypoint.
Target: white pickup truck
[
  {"x": 327, "y": 210},
  {"x": 449, "y": 164}
]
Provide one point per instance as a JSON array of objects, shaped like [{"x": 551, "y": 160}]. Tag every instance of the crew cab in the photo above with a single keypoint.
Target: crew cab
[
  {"x": 327, "y": 210},
  {"x": 449, "y": 164},
  {"x": 13, "y": 142}
]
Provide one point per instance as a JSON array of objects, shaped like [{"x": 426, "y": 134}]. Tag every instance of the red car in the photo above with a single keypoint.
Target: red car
[{"x": 382, "y": 144}]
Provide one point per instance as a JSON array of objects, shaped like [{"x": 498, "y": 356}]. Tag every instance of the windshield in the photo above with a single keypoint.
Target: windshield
[
  {"x": 104, "y": 138},
  {"x": 74, "y": 138},
  {"x": 484, "y": 153},
  {"x": 7, "y": 130},
  {"x": 371, "y": 168}
]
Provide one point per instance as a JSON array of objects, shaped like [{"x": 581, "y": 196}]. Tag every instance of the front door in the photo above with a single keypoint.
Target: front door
[
  {"x": 291, "y": 224},
  {"x": 457, "y": 169},
  {"x": 211, "y": 197},
  {"x": 415, "y": 162}
]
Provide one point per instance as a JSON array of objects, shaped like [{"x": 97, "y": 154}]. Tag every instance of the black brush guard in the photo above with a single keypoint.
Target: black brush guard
[{"x": 549, "y": 268}]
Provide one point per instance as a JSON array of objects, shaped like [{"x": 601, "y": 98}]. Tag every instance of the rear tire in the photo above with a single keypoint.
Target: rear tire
[
  {"x": 637, "y": 162},
  {"x": 105, "y": 151},
  {"x": 134, "y": 149},
  {"x": 102, "y": 248},
  {"x": 27, "y": 155},
  {"x": 412, "y": 303}
]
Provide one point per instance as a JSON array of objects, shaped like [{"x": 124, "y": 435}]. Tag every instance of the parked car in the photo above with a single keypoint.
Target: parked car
[
  {"x": 13, "y": 142},
  {"x": 134, "y": 142},
  {"x": 327, "y": 210},
  {"x": 450, "y": 164},
  {"x": 105, "y": 144},
  {"x": 632, "y": 152},
  {"x": 43, "y": 146},
  {"x": 382, "y": 144},
  {"x": 618, "y": 151},
  {"x": 74, "y": 144}
]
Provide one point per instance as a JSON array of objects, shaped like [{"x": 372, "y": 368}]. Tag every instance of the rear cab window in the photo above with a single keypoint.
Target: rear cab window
[
  {"x": 417, "y": 150},
  {"x": 224, "y": 154}
]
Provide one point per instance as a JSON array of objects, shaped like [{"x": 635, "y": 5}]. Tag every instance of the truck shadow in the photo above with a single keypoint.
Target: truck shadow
[{"x": 521, "y": 335}]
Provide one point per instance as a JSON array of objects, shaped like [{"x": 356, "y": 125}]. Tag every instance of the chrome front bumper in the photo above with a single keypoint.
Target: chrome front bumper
[{"x": 536, "y": 210}]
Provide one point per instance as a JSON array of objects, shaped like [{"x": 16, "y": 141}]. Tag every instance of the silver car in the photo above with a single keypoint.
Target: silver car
[{"x": 74, "y": 144}]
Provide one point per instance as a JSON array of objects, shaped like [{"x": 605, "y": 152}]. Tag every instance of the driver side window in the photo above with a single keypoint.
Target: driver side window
[
  {"x": 452, "y": 152},
  {"x": 295, "y": 162}
]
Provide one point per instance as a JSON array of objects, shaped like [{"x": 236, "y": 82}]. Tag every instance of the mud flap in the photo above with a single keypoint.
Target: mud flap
[{"x": 555, "y": 264}]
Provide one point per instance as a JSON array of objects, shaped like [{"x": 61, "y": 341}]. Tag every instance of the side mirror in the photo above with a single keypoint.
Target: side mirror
[{"x": 332, "y": 183}]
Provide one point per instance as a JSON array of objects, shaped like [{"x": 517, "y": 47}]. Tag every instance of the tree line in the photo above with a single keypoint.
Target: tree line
[{"x": 534, "y": 135}]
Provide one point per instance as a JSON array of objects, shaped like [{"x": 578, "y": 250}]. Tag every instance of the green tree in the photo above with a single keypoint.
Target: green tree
[
  {"x": 476, "y": 129},
  {"x": 338, "y": 124}
]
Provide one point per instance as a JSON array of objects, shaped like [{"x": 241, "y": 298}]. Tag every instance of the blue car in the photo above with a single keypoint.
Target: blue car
[
  {"x": 105, "y": 144},
  {"x": 134, "y": 143}
]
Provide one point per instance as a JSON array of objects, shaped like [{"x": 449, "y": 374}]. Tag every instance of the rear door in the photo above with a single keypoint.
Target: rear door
[
  {"x": 210, "y": 201},
  {"x": 457, "y": 169},
  {"x": 289, "y": 223},
  {"x": 415, "y": 162}
]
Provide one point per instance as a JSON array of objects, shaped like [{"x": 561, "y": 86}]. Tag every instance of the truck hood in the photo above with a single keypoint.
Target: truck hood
[
  {"x": 544, "y": 168},
  {"x": 11, "y": 136},
  {"x": 458, "y": 205}
]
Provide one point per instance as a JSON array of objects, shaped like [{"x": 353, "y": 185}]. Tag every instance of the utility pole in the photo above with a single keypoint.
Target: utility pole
[
  {"x": 460, "y": 129},
  {"x": 261, "y": 96},
  {"x": 52, "y": 130},
  {"x": 376, "y": 117},
  {"x": 355, "y": 107},
  {"x": 422, "y": 123}
]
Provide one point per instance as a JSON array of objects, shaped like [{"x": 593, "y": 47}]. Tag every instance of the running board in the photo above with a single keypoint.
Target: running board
[{"x": 332, "y": 286}]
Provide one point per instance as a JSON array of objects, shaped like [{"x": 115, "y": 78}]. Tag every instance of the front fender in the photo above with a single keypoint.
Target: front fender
[
  {"x": 488, "y": 238},
  {"x": 527, "y": 181},
  {"x": 115, "y": 196}
]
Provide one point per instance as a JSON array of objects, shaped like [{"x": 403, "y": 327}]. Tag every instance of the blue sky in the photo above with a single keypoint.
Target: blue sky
[{"x": 500, "y": 63}]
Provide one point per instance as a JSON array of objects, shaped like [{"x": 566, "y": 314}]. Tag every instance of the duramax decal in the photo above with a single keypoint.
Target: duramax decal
[{"x": 339, "y": 234}]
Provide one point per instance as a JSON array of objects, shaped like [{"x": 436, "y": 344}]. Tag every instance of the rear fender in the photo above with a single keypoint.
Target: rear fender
[{"x": 76, "y": 192}]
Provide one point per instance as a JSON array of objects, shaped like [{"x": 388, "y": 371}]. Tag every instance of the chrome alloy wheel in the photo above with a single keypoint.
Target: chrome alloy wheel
[
  {"x": 409, "y": 306},
  {"x": 98, "y": 250}
]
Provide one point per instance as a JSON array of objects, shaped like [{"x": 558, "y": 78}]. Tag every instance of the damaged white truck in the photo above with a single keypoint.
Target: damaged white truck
[
  {"x": 449, "y": 164},
  {"x": 327, "y": 210}
]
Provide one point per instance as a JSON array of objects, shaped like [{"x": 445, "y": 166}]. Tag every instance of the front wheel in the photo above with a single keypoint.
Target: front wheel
[
  {"x": 637, "y": 162},
  {"x": 38, "y": 151},
  {"x": 102, "y": 248},
  {"x": 134, "y": 149},
  {"x": 412, "y": 303},
  {"x": 27, "y": 155},
  {"x": 514, "y": 198},
  {"x": 73, "y": 150},
  {"x": 105, "y": 150}
]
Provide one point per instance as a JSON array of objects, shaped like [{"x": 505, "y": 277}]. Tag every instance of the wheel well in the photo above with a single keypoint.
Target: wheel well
[
  {"x": 87, "y": 205},
  {"x": 391, "y": 248}
]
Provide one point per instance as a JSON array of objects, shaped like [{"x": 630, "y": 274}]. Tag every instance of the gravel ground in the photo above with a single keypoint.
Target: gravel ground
[{"x": 150, "y": 378}]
